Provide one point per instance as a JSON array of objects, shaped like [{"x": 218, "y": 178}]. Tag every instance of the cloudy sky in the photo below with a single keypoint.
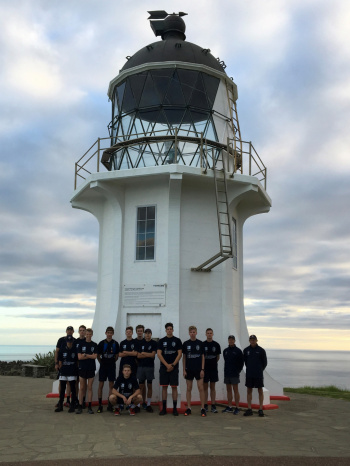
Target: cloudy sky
[{"x": 291, "y": 62}]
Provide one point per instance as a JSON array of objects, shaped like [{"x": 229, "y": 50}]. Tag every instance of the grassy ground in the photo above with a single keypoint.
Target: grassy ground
[{"x": 330, "y": 391}]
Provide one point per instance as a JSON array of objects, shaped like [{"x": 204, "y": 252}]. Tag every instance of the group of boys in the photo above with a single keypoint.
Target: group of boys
[{"x": 76, "y": 359}]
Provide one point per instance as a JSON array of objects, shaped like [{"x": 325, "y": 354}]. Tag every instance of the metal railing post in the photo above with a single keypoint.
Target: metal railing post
[
  {"x": 176, "y": 145},
  {"x": 98, "y": 155},
  {"x": 75, "y": 176},
  {"x": 250, "y": 158},
  {"x": 201, "y": 152}
]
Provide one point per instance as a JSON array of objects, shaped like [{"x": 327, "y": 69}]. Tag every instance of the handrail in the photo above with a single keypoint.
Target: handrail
[{"x": 241, "y": 153}]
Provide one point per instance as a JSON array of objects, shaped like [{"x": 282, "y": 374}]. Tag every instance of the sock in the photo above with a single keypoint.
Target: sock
[
  {"x": 100, "y": 401},
  {"x": 89, "y": 404},
  {"x": 175, "y": 404},
  {"x": 148, "y": 401},
  {"x": 132, "y": 406},
  {"x": 68, "y": 399},
  {"x": 164, "y": 405}
]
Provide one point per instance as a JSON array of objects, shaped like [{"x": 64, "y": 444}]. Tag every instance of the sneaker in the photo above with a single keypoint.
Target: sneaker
[
  {"x": 213, "y": 409},
  {"x": 144, "y": 406},
  {"x": 162, "y": 412},
  {"x": 90, "y": 411},
  {"x": 203, "y": 412},
  {"x": 66, "y": 404},
  {"x": 79, "y": 410},
  {"x": 136, "y": 409},
  {"x": 100, "y": 409},
  {"x": 236, "y": 411},
  {"x": 71, "y": 409},
  {"x": 175, "y": 413},
  {"x": 188, "y": 412},
  {"x": 116, "y": 412},
  {"x": 249, "y": 412},
  {"x": 261, "y": 413},
  {"x": 149, "y": 409},
  {"x": 59, "y": 409},
  {"x": 228, "y": 409},
  {"x": 206, "y": 407},
  {"x": 109, "y": 407},
  {"x": 132, "y": 411}
]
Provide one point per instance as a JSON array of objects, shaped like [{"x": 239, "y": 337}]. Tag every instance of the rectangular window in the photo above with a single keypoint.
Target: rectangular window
[
  {"x": 145, "y": 233},
  {"x": 234, "y": 242}
]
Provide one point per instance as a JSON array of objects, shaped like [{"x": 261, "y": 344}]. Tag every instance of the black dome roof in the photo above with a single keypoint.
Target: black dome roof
[{"x": 173, "y": 49}]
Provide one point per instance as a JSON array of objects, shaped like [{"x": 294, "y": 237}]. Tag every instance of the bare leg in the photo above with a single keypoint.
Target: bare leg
[
  {"x": 149, "y": 390},
  {"x": 89, "y": 389},
  {"x": 201, "y": 392},
  {"x": 261, "y": 397},
  {"x": 237, "y": 396},
  {"x": 229, "y": 394},
  {"x": 82, "y": 390},
  {"x": 249, "y": 397},
  {"x": 212, "y": 393},
  {"x": 100, "y": 389},
  {"x": 205, "y": 387},
  {"x": 189, "y": 392},
  {"x": 174, "y": 393}
]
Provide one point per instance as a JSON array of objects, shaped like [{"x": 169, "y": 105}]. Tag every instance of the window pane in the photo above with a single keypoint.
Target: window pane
[
  {"x": 140, "y": 254},
  {"x": 151, "y": 212},
  {"x": 150, "y": 253},
  {"x": 141, "y": 213}
]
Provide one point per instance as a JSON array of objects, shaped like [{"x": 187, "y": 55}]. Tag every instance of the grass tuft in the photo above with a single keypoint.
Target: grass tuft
[{"x": 330, "y": 391}]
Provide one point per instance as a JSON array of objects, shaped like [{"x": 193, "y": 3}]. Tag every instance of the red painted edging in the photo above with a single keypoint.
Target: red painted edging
[{"x": 279, "y": 397}]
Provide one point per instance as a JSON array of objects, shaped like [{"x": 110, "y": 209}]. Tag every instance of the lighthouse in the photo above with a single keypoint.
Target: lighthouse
[{"x": 171, "y": 188}]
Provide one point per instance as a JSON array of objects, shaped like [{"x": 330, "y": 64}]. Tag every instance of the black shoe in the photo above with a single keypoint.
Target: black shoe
[
  {"x": 90, "y": 411},
  {"x": 100, "y": 409},
  {"x": 79, "y": 410},
  {"x": 162, "y": 412},
  {"x": 71, "y": 409},
  {"x": 188, "y": 412},
  {"x": 149, "y": 409},
  {"x": 175, "y": 413},
  {"x": 213, "y": 409},
  {"x": 236, "y": 411},
  {"x": 249, "y": 412},
  {"x": 261, "y": 413},
  {"x": 206, "y": 408},
  {"x": 137, "y": 409},
  {"x": 109, "y": 407},
  {"x": 203, "y": 412},
  {"x": 59, "y": 409}
]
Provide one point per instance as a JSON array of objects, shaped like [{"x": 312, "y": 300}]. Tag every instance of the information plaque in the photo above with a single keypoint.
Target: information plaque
[{"x": 144, "y": 295}]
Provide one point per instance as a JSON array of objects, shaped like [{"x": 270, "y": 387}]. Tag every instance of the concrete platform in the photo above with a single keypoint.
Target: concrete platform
[{"x": 306, "y": 430}]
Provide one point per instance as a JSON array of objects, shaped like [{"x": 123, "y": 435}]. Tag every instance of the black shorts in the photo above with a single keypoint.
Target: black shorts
[
  {"x": 190, "y": 375},
  {"x": 169, "y": 378},
  {"x": 84, "y": 374},
  {"x": 106, "y": 373},
  {"x": 211, "y": 376},
  {"x": 254, "y": 382}
]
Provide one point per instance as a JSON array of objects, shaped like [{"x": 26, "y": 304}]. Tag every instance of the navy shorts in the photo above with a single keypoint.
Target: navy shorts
[
  {"x": 190, "y": 375},
  {"x": 145, "y": 373},
  {"x": 169, "y": 378},
  {"x": 211, "y": 376},
  {"x": 84, "y": 374},
  {"x": 106, "y": 373},
  {"x": 254, "y": 382},
  {"x": 231, "y": 380}
]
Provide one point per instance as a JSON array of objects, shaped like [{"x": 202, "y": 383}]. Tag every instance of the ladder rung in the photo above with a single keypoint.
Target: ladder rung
[{"x": 222, "y": 234}]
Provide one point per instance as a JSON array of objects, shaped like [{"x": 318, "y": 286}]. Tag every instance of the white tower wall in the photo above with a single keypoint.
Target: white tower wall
[{"x": 186, "y": 235}]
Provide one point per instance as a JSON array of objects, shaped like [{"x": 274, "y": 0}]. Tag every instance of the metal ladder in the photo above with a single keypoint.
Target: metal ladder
[{"x": 223, "y": 217}]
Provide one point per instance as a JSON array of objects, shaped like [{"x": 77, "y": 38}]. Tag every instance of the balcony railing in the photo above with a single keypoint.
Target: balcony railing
[{"x": 161, "y": 148}]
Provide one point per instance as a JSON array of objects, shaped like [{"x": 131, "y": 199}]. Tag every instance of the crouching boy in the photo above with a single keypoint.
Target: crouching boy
[{"x": 126, "y": 392}]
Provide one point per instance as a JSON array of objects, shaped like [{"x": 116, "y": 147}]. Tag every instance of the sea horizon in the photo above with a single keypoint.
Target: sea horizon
[{"x": 290, "y": 367}]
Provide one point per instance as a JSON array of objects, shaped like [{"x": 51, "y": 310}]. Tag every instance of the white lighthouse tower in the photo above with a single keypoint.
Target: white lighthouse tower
[{"x": 176, "y": 187}]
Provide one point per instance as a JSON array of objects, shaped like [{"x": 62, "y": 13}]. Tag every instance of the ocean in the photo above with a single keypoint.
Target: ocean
[{"x": 292, "y": 368}]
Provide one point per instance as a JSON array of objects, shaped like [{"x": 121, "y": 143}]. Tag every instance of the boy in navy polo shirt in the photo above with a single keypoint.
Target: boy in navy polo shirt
[
  {"x": 212, "y": 351},
  {"x": 107, "y": 355},
  {"x": 128, "y": 353},
  {"x": 87, "y": 354},
  {"x": 68, "y": 367},
  {"x": 145, "y": 371},
  {"x": 233, "y": 357},
  {"x": 193, "y": 367},
  {"x": 255, "y": 362}
]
